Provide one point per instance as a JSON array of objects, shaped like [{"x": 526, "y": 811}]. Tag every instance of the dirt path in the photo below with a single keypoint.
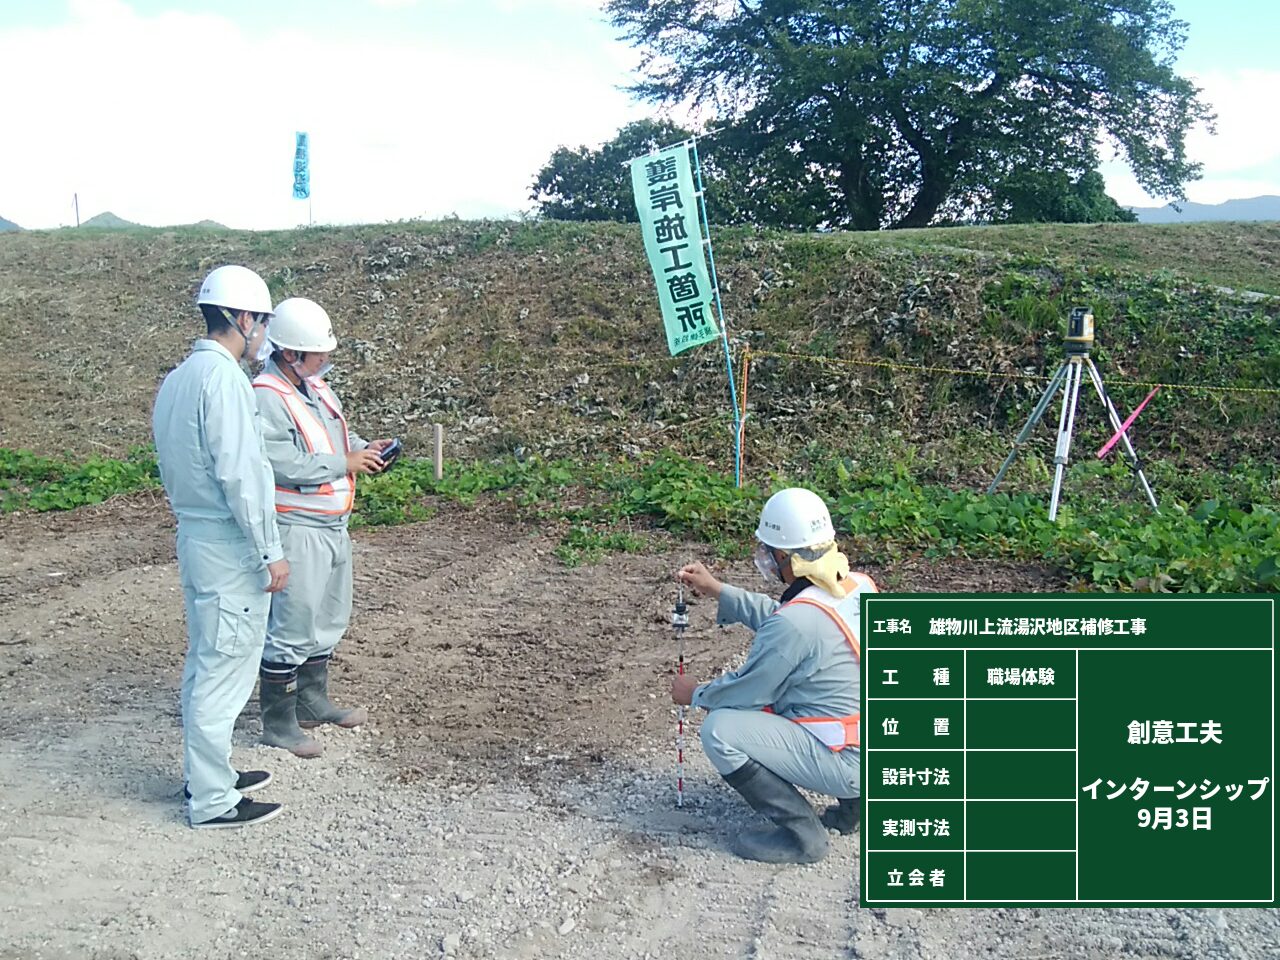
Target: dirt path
[{"x": 511, "y": 798}]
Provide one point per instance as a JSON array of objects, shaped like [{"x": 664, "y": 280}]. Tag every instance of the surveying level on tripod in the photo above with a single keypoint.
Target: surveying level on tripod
[
  {"x": 1079, "y": 338},
  {"x": 1077, "y": 343}
]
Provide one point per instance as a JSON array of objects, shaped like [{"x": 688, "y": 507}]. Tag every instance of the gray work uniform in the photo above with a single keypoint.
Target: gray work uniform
[
  {"x": 311, "y": 614},
  {"x": 218, "y": 482},
  {"x": 799, "y": 665}
]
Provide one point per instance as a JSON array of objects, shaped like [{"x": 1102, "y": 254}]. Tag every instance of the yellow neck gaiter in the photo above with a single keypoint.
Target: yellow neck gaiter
[{"x": 828, "y": 571}]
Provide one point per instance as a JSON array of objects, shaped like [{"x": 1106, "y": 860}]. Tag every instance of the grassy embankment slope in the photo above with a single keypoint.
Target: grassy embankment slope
[{"x": 541, "y": 340}]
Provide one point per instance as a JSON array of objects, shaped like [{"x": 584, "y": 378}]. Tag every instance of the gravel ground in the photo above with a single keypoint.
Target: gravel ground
[{"x": 512, "y": 796}]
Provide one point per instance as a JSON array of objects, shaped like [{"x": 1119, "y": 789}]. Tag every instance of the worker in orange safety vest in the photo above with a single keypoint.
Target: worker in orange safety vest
[
  {"x": 315, "y": 457},
  {"x": 789, "y": 715}
]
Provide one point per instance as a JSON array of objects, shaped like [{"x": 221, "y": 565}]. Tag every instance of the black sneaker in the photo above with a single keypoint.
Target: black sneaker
[
  {"x": 246, "y": 781},
  {"x": 243, "y": 814}
]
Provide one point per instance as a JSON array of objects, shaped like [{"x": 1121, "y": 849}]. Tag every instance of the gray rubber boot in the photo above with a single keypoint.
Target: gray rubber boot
[
  {"x": 799, "y": 836},
  {"x": 278, "y": 697},
  {"x": 841, "y": 816},
  {"x": 314, "y": 705}
]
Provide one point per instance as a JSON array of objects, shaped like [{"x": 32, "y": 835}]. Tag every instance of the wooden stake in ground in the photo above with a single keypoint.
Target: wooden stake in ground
[{"x": 437, "y": 457}]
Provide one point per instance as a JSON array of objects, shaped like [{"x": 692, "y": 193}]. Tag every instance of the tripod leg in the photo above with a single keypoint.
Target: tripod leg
[
  {"x": 1066, "y": 423},
  {"x": 1030, "y": 425},
  {"x": 1130, "y": 453}
]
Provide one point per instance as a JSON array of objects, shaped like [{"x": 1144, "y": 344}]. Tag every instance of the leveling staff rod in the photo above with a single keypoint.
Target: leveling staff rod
[{"x": 679, "y": 621}]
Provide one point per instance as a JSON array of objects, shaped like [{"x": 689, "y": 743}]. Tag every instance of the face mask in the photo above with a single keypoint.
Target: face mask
[
  {"x": 766, "y": 563},
  {"x": 248, "y": 337},
  {"x": 264, "y": 350},
  {"x": 318, "y": 375}
]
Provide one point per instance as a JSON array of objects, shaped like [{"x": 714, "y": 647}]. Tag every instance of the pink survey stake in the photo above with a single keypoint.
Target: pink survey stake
[{"x": 1106, "y": 447}]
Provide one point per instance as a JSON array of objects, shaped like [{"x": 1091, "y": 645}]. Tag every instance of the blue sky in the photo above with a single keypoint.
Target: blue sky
[
  {"x": 1231, "y": 52},
  {"x": 1228, "y": 32},
  {"x": 170, "y": 111}
]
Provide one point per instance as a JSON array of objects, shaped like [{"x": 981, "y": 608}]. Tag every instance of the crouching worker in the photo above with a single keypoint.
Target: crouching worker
[
  {"x": 789, "y": 716},
  {"x": 315, "y": 457}
]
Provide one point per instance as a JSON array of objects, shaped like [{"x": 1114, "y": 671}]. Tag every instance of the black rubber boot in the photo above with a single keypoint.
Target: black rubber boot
[
  {"x": 278, "y": 696},
  {"x": 314, "y": 705},
  {"x": 799, "y": 836},
  {"x": 841, "y": 816}
]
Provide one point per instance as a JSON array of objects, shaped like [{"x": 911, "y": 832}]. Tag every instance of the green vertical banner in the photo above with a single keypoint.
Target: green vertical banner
[
  {"x": 668, "y": 208},
  {"x": 301, "y": 168}
]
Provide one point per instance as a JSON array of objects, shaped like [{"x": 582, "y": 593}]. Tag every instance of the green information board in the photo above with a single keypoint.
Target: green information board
[{"x": 1060, "y": 750}]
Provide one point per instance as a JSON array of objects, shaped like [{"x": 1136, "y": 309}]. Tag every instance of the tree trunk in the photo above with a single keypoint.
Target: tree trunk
[
  {"x": 862, "y": 199},
  {"x": 932, "y": 192}
]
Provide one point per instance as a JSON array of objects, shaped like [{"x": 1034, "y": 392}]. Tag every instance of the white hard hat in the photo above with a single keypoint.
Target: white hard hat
[
  {"x": 301, "y": 324},
  {"x": 236, "y": 288},
  {"x": 793, "y": 518}
]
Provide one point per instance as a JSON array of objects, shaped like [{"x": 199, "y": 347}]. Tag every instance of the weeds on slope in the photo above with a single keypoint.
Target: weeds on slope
[{"x": 1217, "y": 533}]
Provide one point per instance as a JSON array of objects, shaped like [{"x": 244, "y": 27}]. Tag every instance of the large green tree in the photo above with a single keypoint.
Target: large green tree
[
  {"x": 1056, "y": 197},
  {"x": 906, "y": 112},
  {"x": 591, "y": 183},
  {"x": 748, "y": 179}
]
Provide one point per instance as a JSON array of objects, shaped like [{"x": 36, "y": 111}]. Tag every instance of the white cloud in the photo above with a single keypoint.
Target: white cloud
[
  {"x": 178, "y": 117},
  {"x": 1248, "y": 136},
  {"x": 504, "y": 6},
  {"x": 514, "y": 5},
  {"x": 1124, "y": 188},
  {"x": 1242, "y": 159}
]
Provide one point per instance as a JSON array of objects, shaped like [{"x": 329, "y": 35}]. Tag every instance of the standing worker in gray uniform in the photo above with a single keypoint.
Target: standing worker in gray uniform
[
  {"x": 315, "y": 457},
  {"x": 789, "y": 715},
  {"x": 218, "y": 482}
]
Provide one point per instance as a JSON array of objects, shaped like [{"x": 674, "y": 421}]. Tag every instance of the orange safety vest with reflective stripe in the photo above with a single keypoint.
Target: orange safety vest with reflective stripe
[
  {"x": 328, "y": 499},
  {"x": 836, "y": 732}
]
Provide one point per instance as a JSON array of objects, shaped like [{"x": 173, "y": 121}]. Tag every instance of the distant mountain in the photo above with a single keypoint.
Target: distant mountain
[
  {"x": 8, "y": 225},
  {"x": 1254, "y": 208},
  {"x": 108, "y": 221}
]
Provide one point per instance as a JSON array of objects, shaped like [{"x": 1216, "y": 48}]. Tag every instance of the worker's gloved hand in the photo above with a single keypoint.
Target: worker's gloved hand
[
  {"x": 364, "y": 461},
  {"x": 701, "y": 579}
]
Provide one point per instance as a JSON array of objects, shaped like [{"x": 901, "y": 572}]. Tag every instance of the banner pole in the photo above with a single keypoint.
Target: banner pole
[
  {"x": 742, "y": 407},
  {"x": 724, "y": 332}
]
